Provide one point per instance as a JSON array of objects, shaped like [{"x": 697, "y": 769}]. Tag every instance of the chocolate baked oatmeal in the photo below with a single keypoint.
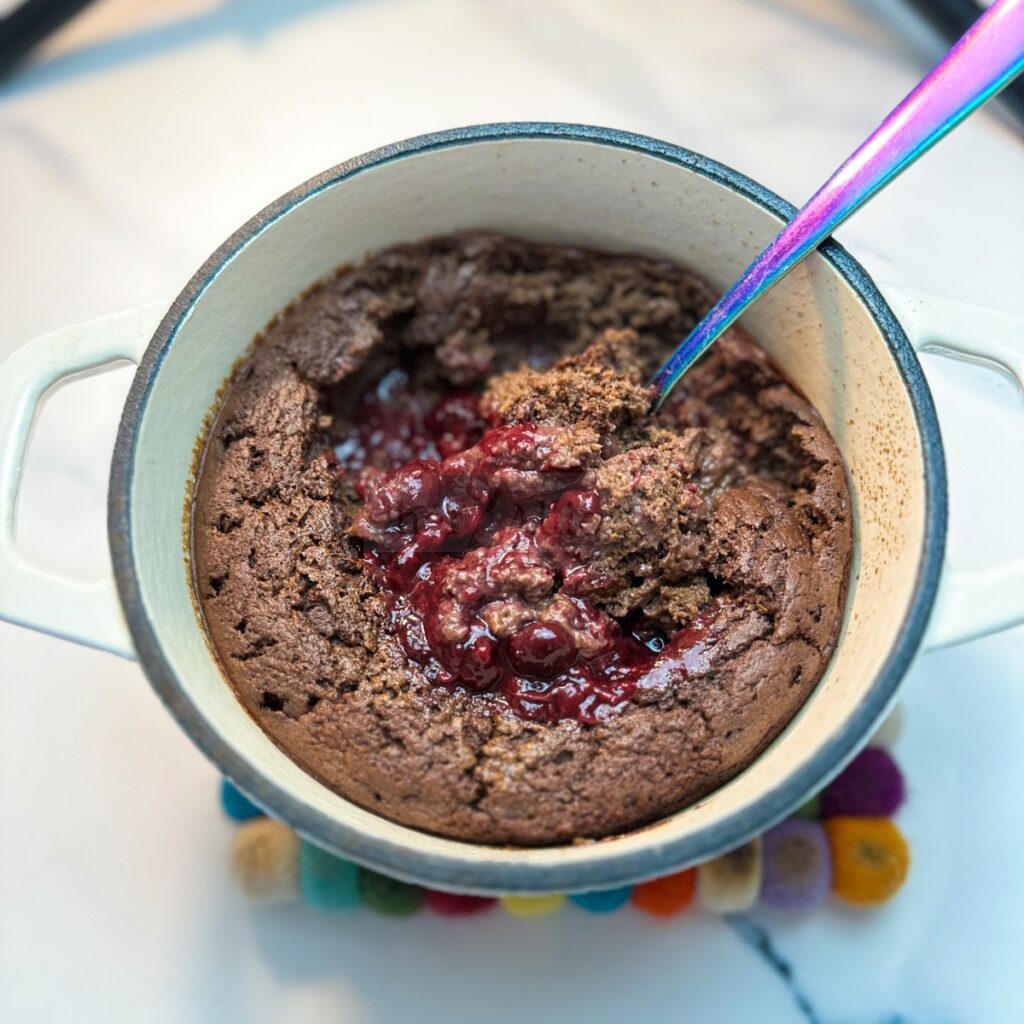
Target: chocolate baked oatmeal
[{"x": 457, "y": 571}]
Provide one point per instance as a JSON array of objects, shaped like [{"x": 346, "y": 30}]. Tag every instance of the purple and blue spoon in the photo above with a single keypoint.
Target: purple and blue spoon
[{"x": 986, "y": 59}]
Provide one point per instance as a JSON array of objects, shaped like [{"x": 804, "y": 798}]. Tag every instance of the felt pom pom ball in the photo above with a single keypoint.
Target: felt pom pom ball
[
  {"x": 237, "y": 806},
  {"x": 730, "y": 884},
  {"x": 870, "y": 786},
  {"x": 796, "y": 865},
  {"x": 809, "y": 809},
  {"x": 602, "y": 901},
  {"x": 870, "y": 859},
  {"x": 890, "y": 730},
  {"x": 453, "y": 904},
  {"x": 668, "y": 896},
  {"x": 532, "y": 906},
  {"x": 388, "y": 895},
  {"x": 265, "y": 860},
  {"x": 326, "y": 881}
]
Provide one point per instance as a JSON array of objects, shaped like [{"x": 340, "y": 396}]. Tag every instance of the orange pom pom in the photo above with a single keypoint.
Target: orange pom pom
[
  {"x": 664, "y": 897},
  {"x": 870, "y": 859}
]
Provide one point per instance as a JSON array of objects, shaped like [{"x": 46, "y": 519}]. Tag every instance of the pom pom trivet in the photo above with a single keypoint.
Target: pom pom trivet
[
  {"x": 532, "y": 906},
  {"x": 809, "y": 809},
  {"x": 326, "y": 881},
  {"x": 890, "y": 730},
  {"x": 388, "y": 895},
  {"x": 237, "y": 806},
  {"x": 453, "y": 904},
  {"x": 602, "y": 901},
  {"x": 797, "y": 869},
  {"x": 870, "y": 786},
  {"x": 869, "y": 859},
  {"x": 668, "y": 896},
  {"x": 839, "y": 842},
  {"x": 730, "y": 884},
  {"x": 265, "y": 860}
]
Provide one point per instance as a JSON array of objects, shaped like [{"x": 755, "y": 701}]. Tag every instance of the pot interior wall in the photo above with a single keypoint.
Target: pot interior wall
[{"x": 814, "y": 325}]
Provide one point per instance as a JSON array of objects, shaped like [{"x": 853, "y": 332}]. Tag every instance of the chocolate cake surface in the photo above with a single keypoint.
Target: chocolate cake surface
[{"x": 457, "y": 572}]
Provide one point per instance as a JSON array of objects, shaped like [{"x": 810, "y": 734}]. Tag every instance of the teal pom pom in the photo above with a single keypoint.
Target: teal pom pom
[
  {"x": 237, "y": 806},
  {"x": 388, "y": 895},
  {"x": 603, "y": 901},
  {"x": 326, "y": 881}
]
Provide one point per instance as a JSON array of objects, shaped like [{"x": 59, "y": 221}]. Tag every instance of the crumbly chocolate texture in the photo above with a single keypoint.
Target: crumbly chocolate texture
[{"x": 734, "y": 498}]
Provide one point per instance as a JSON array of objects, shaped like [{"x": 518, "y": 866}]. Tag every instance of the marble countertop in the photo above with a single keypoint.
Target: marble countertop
[{"x": 127, "y": 152}]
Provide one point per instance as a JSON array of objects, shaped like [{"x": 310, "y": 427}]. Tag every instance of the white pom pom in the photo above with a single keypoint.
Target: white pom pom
[
  {"x": 730, "y": 883},
  {"x": 890, "y": 730},
  {"x": 265, "y": 861}
]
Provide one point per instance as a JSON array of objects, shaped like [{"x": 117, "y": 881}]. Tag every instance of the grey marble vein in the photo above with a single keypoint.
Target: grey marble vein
[{"x": 759, "y": 939}]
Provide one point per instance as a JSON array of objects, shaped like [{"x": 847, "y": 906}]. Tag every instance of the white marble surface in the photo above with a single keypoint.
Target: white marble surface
[{"x": 122, "y": 164}]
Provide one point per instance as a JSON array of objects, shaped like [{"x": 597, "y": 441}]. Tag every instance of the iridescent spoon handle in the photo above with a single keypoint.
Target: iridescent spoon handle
[{"x": 988, "y": 57}]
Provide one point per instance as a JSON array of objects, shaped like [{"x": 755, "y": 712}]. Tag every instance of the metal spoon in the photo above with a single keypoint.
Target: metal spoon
[{"x": 987, "y": 58}]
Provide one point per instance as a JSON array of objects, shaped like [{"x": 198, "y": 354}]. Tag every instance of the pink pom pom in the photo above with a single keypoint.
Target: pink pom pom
[{"x": 452, "y": 904}]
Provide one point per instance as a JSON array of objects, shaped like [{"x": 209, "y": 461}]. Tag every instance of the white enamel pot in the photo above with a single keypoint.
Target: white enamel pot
[{"x": 848, "y": 347}]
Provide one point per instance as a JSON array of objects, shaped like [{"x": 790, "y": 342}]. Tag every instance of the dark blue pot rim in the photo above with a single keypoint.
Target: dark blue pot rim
[{"x": 617, "y": 868}]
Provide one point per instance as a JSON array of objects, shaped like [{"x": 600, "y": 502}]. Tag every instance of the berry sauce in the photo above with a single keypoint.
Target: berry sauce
[
  {"x": 394, "y": 424},
  {"x": 478, "y": 533}
]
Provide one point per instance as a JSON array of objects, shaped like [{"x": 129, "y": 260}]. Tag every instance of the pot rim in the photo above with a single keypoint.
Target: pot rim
[{"x": 469, "y": 873}]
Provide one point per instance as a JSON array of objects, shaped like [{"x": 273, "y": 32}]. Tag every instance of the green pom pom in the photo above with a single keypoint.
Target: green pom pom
[
  {"x": 811, "y": 810},
  {"x": 326, "y": 881},
  {"x": 388, "y": 895}
]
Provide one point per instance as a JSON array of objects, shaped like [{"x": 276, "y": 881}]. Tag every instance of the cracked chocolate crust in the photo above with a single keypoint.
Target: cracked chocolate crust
[{"x": 303, "y": 633}]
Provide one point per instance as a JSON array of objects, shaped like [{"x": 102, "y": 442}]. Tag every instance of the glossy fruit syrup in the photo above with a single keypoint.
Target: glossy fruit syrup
[{"x": 479, "y": 536}]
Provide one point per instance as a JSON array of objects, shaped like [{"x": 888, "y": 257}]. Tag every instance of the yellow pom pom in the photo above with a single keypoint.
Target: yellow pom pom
[
  {"x": 532, "y": 906},
  {"x": 870, "y": 859},
  {"x": 730, "y": 884},
  {"x": 265, "y": 860}
]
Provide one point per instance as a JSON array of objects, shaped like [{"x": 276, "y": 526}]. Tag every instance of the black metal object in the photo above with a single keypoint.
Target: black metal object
[{"x": 29, "y": 24}]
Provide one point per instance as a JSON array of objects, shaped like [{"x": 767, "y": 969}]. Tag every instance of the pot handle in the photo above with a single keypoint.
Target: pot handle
[
  {"x": 971, "y": 603},
  {"x": 86, "y": 612}
]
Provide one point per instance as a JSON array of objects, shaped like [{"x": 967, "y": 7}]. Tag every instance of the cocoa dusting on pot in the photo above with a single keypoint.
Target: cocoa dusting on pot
[{"x": 457, "y": 572}]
